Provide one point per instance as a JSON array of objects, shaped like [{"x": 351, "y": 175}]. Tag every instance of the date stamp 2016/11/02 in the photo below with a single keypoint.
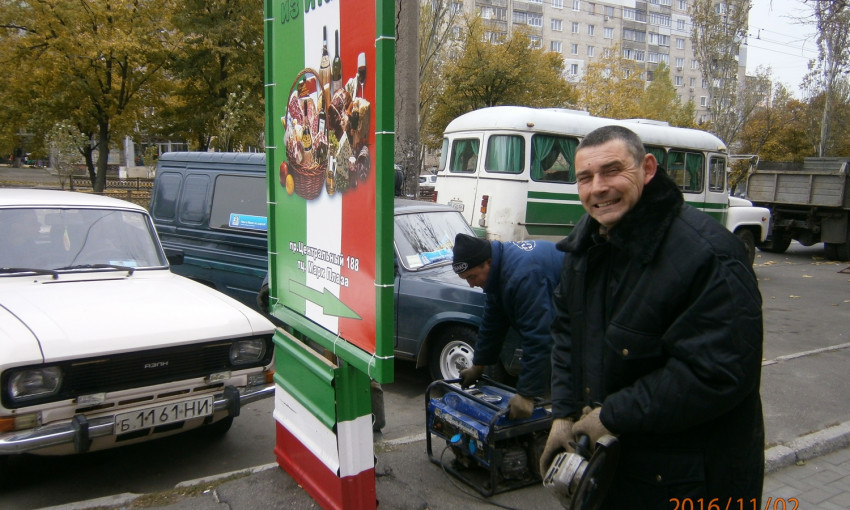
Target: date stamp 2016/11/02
[{"x": 734, "y": 504}]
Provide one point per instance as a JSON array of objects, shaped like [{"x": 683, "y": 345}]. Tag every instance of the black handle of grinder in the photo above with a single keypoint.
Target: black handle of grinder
[{"x": 582, "y": 446}]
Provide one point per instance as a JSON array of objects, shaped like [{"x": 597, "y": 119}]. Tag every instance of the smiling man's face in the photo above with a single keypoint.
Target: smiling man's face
[{"x": 610, "y": 181}]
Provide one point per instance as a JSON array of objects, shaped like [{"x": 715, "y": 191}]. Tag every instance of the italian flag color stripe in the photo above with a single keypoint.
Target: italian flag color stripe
[
  {"x": 321, "y": 441},
  {"x": 323, "y": 426}
]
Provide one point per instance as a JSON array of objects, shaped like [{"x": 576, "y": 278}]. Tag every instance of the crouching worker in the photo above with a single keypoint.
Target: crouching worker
[{"x": 518, "y": 279}]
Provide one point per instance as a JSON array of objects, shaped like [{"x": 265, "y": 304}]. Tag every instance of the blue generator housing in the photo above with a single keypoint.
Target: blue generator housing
[{"x": 491, "y": 453}]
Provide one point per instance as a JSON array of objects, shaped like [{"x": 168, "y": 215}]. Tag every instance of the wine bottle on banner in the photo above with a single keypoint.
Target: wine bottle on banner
[
  {"x": 325, "y": 71},
  {"x": 336, "y": 67}
]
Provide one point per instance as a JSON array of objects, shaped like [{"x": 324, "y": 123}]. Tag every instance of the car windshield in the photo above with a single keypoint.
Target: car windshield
[
  {"x": 426, "y": 238},
  {"x": 70, "y": 238}
]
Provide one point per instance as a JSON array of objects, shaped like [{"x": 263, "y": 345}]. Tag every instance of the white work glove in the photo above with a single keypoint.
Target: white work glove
[
  {"x": 520, "y": 407},
  {"x": 591, "y": 426},
  {"x": 560, "y": 436}
]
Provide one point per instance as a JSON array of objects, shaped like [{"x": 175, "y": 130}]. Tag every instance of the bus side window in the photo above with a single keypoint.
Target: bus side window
[
  {"x": 553, "y": 158},
  {"x": 717, "y": 174},
  {"x": 695, "y": 171},
  {"x": 686, "y": 169},
  {"x": 464, "y": 155},
  {"x": 659, "y": 153},
  {"x": 676, "y": 168},
  {"x": 444, "y": 154}
]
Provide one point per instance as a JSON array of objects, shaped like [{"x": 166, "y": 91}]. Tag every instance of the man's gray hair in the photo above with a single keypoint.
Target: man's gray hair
[{"x": 605, "y": 134}]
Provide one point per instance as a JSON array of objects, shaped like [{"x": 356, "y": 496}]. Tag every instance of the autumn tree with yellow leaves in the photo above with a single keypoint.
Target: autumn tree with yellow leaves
[
  {"x": 615, "y": 87},
  {"x": 506, "y": 71}
]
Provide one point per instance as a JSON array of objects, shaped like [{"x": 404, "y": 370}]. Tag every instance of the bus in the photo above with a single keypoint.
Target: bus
[{"x": 510, "y": 171}]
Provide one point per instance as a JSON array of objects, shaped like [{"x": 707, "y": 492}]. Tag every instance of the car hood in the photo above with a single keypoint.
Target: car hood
[{"x": 89, "y": 314}]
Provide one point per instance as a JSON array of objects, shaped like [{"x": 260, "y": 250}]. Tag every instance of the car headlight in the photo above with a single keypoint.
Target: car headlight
[
  {"x": 247, "y": 351},
  {"x": 34, "y": 383}
]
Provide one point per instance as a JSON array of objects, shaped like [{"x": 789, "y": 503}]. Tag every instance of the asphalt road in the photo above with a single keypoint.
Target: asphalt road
[{"x": 804, "y": 381}]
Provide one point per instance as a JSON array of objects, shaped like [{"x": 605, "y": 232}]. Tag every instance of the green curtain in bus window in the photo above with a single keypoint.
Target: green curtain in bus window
[
  {"x": 568, "y": 148},
  {"x": 465, "y": 155},
  {"x": 694, "y": 166},
  {"x": 545, "y": 152},
  {"x": 505, "y": 154},
  {"x": 676, "y": 168},
  {"x": 541, "y": 146},
  {"x": 659, "y": 154}
]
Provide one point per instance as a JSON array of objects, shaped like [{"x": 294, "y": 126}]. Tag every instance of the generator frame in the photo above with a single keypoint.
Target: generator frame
[{"x": 499, "y": 431}]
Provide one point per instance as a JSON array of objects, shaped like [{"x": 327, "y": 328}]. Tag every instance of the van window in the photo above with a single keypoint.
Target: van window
[
  {"x": 687, "y": 170},
  {"x": 716, "y": 174},
  {"x": 505, "y": 154},
  {"x": 553, "y": 158},
  {"x": 194, "y": 202},
  {"x": 165, "y": 200},
  {"x": 465, "y": 155},
  {"x": 239, "y": 202}
]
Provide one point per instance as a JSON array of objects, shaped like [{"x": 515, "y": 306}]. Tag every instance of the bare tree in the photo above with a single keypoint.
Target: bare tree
[
  {"x": 436, "y": 22},
  {"x": 829, "y": 72},
  {"x": 718, "y": 31}
]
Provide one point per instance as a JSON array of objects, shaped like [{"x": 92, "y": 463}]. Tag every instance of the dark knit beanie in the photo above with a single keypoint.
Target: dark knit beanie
[{"x": 469, "y": 251}]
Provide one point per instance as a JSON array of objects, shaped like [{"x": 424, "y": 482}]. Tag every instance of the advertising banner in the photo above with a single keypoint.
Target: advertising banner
[{"x": 324, "y": 151}]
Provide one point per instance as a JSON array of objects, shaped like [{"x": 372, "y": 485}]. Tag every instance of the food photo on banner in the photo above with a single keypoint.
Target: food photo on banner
[{"x": 323, "y": 123}]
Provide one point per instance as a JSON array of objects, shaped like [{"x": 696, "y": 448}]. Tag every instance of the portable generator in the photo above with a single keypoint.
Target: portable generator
[{"x": 492, "y": 453}]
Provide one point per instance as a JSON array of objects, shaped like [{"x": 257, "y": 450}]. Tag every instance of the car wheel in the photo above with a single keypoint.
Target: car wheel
[
  {"x": 451, "y": 352},
  {"x": 749, "y": 240}
]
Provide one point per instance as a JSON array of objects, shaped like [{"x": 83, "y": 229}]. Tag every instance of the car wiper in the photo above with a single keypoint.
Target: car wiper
[
  {"x": 100, "y": 266},
  {"x": 9, "y": 270}
]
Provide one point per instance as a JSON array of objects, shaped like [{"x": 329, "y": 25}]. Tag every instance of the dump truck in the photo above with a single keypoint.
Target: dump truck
[{"x": 808, "y": 203}]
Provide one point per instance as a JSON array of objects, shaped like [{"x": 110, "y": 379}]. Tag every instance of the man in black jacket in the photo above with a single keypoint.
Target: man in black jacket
[{"x": 657, "y": 337}]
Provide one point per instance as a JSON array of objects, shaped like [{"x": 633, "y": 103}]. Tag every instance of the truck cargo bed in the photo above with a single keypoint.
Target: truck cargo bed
[{"x": 821, "y": 183}]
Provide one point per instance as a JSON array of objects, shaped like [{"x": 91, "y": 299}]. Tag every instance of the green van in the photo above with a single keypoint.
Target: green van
[{"x": 210, "y": 211}]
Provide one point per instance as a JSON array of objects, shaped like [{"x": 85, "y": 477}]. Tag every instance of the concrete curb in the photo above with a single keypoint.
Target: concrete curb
[
  {"x": 801, "y": 449},
  {"x": 807, "y": 447}
]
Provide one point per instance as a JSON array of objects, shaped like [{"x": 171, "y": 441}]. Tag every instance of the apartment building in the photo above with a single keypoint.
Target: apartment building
[{"x": 648, "y": 32}]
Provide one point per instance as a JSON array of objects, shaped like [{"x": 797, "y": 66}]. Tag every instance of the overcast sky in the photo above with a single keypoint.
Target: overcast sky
[{"x": 779, "y": 40}]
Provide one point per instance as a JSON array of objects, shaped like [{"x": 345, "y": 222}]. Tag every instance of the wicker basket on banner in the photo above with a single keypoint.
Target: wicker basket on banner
[{"x": 309, "y": 179}]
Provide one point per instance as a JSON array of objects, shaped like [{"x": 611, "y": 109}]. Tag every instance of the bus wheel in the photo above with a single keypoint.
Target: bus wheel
[
  {"x": 451, "y": 352},
  {"x": 746, "y": 236}
]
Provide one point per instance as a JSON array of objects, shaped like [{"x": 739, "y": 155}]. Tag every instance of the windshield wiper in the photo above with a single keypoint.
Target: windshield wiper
[
  {"x": 9, "y": 270},
  {"x": 117, "y": 267}
]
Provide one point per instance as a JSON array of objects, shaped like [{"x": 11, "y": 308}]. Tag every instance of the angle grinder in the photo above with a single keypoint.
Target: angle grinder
[{"x": 579, "y": 479}]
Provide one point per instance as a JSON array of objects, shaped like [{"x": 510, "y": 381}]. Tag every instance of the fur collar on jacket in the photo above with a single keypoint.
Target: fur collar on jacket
[{"x": 642, "y": 229}]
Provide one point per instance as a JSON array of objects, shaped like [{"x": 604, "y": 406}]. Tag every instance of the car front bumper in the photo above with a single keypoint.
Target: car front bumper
[{"x": 80, "y": 430}]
